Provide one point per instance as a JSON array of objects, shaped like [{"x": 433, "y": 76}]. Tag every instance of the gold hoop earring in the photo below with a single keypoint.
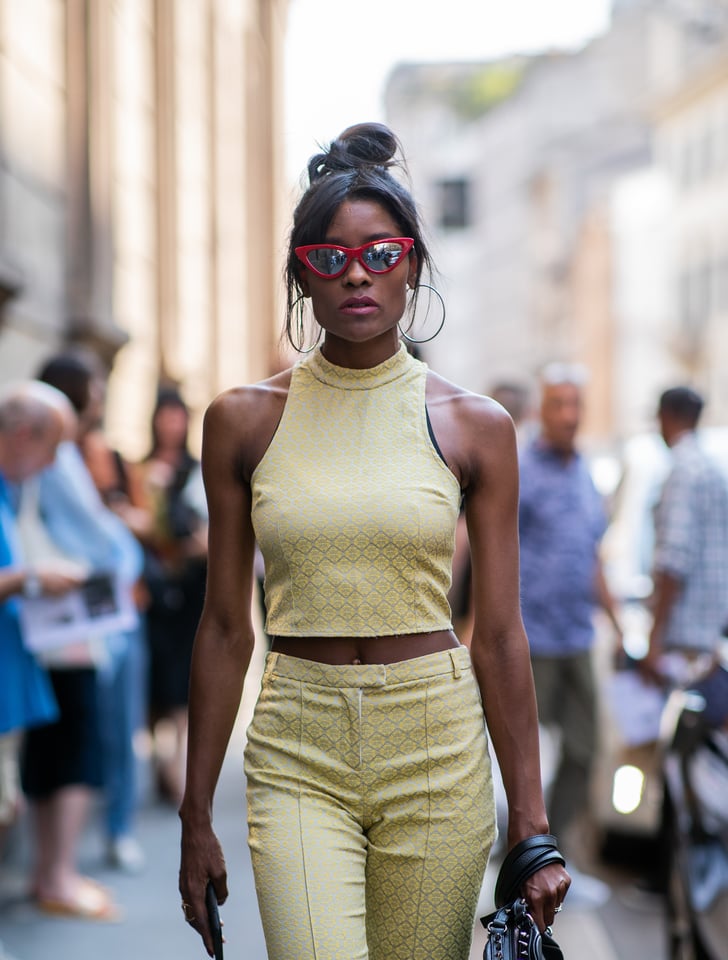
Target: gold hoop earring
[
  {"x": 297, "y": 308},
  {"x": 415, "y": 290}
]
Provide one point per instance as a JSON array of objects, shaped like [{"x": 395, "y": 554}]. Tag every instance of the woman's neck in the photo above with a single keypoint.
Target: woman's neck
[{"x": 360, "y": 356}]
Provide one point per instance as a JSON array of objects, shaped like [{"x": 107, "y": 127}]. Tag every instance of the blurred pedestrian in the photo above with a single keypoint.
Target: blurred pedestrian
[
  {"x": 175, "y": 573},
  {"x": 690, "y": 569},
  {"x": 561, "y": 521},
  {"x": 116, "y": 507},
  {"x": 62, "y": 762},
  {"x": 370, "y": 802},
  {"x": 34, "y": 419},
  {"x": 118, "y": 480},
  {"x": 516, "y": 398}
]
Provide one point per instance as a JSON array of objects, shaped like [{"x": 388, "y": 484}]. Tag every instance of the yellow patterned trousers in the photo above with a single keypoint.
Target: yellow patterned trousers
[{"x": 370, "y": 808}]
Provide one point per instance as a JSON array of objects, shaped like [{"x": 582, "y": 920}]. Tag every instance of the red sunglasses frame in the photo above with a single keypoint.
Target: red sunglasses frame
[{"x": 351, "y": 254}]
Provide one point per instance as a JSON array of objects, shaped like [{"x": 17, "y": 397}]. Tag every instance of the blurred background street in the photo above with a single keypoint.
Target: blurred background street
[{"x": 571, "y": 162}]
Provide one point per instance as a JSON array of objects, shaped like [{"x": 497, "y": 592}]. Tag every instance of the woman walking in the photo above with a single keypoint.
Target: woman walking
[{"x": 370, "y": 802}]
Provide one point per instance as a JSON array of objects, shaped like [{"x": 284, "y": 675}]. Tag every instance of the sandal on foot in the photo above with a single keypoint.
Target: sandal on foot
[{"x": 91, "y": 902}]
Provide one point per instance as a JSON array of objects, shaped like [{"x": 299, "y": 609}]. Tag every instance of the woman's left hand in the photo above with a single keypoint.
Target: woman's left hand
[{"x": 544, "y": 891}]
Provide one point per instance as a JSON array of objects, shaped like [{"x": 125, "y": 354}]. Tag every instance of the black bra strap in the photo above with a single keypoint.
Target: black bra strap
[{"x": 431, "y": 432}]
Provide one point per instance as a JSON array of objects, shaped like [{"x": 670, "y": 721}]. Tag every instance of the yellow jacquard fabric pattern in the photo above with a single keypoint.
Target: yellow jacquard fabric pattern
[
  {"x": 370, "y": 808},
  {"x": 353, "y": 508}
]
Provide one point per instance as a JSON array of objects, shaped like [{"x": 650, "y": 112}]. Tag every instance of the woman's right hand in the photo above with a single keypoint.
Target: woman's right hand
[
  {"x": 56, "y": 583},
  {"x": 202, "y": 861}
]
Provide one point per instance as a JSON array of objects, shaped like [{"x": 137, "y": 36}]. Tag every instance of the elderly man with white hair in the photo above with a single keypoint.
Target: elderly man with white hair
[{"x": 34, "y": 419}]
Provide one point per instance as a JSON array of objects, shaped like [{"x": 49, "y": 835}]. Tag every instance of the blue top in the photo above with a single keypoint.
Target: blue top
[
  {"x": 84, "y": 528},
  {"x": 26, "y": 696},
  {"x": 561, "y": 520},
  {"x": 79, "y": 522}
]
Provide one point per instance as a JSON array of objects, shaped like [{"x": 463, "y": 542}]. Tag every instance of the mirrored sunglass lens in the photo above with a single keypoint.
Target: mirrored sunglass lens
[
  {"x": 327, "y": 260},
  {"x": 383, "y": 256}
]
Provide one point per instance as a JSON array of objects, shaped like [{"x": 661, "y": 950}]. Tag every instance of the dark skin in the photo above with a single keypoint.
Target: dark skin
[{"x": 477, "y": 439}]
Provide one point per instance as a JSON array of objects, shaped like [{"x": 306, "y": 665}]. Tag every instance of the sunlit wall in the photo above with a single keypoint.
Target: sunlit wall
[
  {"x": 141, "y": 212},
  {"x": 33, "y": 174},
  {"x": 200, "y": 260}
]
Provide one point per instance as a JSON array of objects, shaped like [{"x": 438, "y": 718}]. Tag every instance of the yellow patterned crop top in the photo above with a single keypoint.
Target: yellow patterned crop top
[{"x": 353, "y": 507}]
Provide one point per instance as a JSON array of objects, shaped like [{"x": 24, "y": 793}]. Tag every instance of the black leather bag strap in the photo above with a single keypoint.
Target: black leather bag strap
[{"x": 523, "y": 860}]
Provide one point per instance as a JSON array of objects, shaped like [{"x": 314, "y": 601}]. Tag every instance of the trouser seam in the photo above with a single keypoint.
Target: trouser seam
[
  {"x": 302, "y": 845},
  {"x": 429, "y": 818}
]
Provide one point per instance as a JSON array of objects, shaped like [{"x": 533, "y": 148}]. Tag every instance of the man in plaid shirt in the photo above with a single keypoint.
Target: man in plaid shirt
[{"x": 690, "y": 600}]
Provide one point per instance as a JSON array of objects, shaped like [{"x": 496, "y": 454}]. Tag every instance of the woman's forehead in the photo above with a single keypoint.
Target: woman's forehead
[{"x": 367, "y": 216}]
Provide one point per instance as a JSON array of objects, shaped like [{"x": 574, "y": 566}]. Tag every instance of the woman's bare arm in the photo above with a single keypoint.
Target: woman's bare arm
[
  {"x": 479, "y": 442},
  {"x": 237, "y": 427}
]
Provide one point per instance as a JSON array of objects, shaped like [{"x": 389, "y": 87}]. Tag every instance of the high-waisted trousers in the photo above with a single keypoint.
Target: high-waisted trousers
[{"x": 370, "y": 808}]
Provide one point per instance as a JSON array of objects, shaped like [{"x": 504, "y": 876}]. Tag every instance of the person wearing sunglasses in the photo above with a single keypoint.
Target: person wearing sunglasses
[{"x": 369, "y": 794}]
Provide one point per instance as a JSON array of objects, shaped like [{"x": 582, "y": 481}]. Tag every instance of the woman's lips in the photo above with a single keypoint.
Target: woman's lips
[{"x": 359, "y": 306}]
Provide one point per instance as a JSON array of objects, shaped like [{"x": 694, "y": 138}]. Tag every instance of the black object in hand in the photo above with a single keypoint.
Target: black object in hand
[{"x": 213, "y": 918}]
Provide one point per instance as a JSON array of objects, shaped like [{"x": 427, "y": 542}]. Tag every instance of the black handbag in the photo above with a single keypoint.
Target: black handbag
[{"x": 512, "y": 933}]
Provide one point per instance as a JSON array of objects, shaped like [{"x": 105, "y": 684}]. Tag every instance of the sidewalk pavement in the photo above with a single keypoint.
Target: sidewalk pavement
[{"x": 153, "y": 927}]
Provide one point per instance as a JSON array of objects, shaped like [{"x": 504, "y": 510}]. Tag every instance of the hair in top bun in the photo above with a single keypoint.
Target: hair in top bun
[
  {"x": 363, "y": 145},
  {"x": 356, "y": 166}
]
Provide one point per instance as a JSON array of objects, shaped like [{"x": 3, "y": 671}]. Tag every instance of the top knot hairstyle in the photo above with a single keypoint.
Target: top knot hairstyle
[
  {"x": 363, "y": 145},
  {"x": 356, "y": 166}
]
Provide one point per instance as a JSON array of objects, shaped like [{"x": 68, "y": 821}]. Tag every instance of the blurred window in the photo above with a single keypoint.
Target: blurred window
[
  {"x": 454, "y": 200},
  {"x": 11, "y": 285}
]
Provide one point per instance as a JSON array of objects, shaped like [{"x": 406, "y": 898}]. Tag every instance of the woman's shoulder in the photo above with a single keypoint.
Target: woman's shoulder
[
  {"x": 250, "y": 403},
  {"x": 474, "y": 432},
  {"x": 240, "y": 422},
  {"x": 475, "y": 408}
]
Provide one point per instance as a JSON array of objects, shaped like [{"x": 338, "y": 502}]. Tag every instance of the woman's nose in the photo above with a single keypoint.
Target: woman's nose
[{"x": 356, "y": 273}]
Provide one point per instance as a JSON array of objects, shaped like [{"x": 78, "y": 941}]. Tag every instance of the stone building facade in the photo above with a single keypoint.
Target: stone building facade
[
  {"x": 691, "y": 146},
  {"x": 527, "y": 170},
  {"x": 140, "y": 200}
]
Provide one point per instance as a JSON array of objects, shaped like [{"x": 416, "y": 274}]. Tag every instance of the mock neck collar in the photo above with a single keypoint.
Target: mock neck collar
[{"x": 347, "y": 378}]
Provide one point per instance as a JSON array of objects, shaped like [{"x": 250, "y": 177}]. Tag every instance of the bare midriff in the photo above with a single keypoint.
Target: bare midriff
[{"x": 343, "y": 650}]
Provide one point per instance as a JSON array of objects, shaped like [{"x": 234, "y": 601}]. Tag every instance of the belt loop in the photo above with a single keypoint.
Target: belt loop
[
  {"x": 455, "y": 665},
  {"x": 270, "y": 663}
]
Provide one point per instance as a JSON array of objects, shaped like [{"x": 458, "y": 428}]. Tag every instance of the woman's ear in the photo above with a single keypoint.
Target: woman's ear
[
  {"x": 303, "y": 280},
  {"x": 412, "y": 271}
]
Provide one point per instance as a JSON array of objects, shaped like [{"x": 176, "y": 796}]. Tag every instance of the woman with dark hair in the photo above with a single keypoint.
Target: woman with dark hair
[
  {"x": 370, "y": 802},
  {"x": 175, "y": 578},
  {"x": 121, "y": 676}
]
